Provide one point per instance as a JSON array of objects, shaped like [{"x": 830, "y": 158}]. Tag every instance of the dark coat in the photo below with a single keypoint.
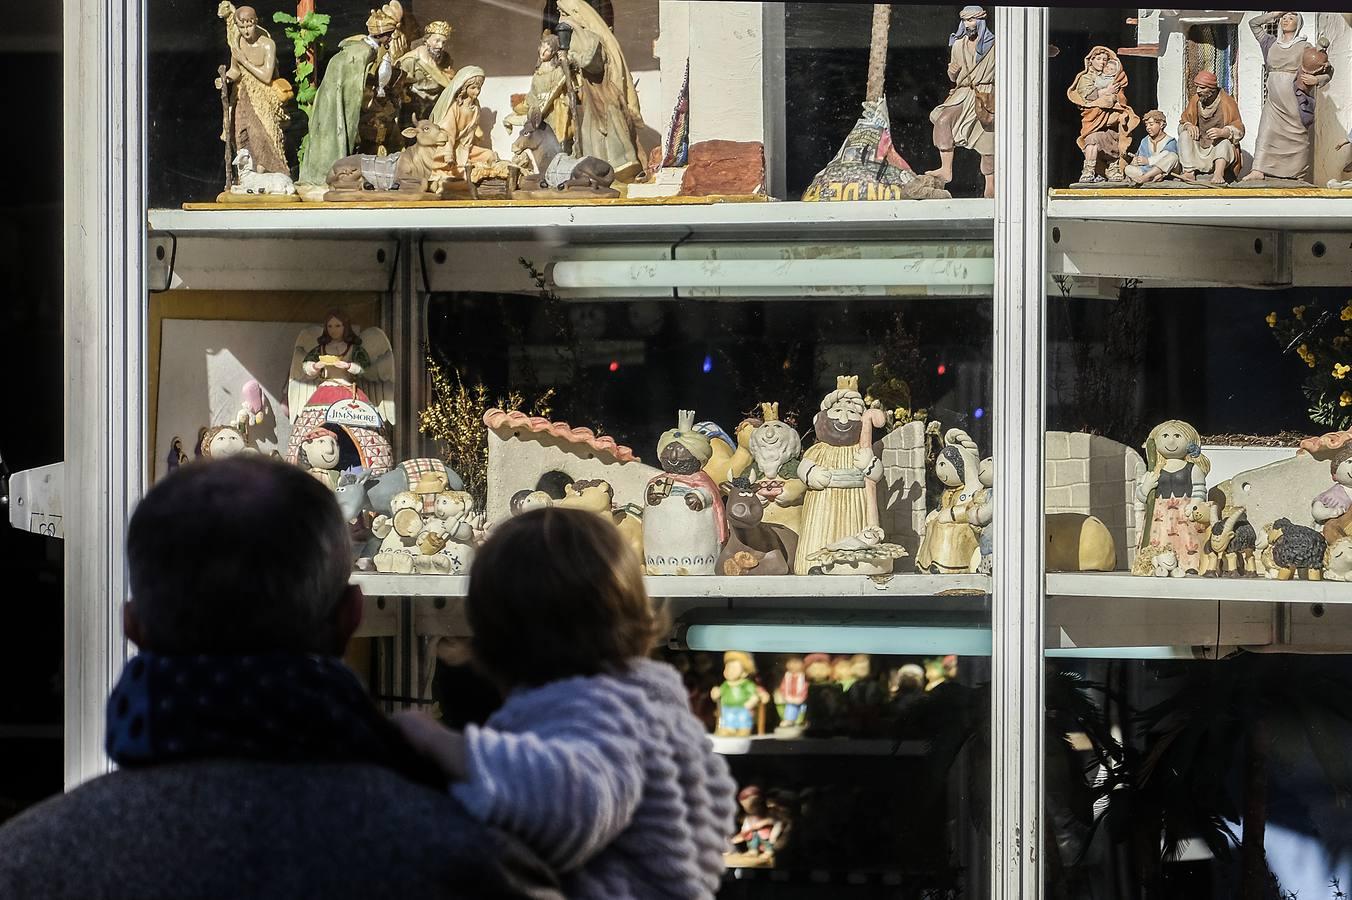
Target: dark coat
[{"x": 235, "y": 828}]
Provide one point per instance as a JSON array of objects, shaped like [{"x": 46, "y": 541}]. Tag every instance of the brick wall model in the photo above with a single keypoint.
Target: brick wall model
[{"x": 1097, "y": 476}]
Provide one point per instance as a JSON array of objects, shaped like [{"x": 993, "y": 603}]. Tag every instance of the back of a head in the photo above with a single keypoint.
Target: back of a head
[
  {"x": 556, "y": 593},
  {"x": 241, "y": 555}
]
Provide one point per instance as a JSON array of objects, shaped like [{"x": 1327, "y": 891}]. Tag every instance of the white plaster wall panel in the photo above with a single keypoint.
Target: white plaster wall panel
[
  {"x": 1282, "y": 489},
  {"x": 517, "y": 463}
]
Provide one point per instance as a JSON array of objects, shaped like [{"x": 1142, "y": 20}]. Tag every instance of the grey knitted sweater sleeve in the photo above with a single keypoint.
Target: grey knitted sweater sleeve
[{"x": 610, "y": 779}]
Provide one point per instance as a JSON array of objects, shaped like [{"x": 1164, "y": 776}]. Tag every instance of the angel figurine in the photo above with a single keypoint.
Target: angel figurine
[{"x": 343, "y": 380}]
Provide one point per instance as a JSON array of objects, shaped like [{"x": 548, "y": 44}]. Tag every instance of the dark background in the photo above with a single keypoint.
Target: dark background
[{"x": 31, "y": 435}]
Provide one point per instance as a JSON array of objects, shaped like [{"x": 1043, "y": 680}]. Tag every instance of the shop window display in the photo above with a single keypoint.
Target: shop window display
[
  {"x": 585, "y": 102},
  {"x": 1208, "y": 416},
  {"x": 791, "y": 457}
]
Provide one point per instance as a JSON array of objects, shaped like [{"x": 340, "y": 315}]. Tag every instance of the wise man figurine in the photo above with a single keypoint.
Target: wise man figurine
[
  {"x": 356, "y": 109},
  {"x": 427, "y": 72},
  {"x": 966, "y": 118},
  {"x": 840, "y": 528},
  {"x": 1209, "y": 132},
  {"x": 684, "y": 527}
]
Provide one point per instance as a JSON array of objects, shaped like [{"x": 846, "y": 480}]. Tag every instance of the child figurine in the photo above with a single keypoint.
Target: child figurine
[
  {"x": 755, "y": 839},
  {"x": 738, "y": 696},
  {"x": 319, "y": 456},
  {"x": 1332, "y": 509},
  {"x": 684, "y": 528},
  {"x": 1174, "y": 479},
  {"x": 1157, "y": 156},
  {"x": 593, "y": 759},
  {"x": 792, "y": 696}
]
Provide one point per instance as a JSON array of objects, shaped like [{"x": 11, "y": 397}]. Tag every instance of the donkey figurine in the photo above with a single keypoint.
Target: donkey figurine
[
  {"x": 754, "y": 546},
  {"x": 556, "y": 169}
]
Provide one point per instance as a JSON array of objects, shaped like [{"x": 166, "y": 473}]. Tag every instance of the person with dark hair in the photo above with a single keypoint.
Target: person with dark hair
[
  {"x": 595, "y": 759},
  {"x": 251, "y": 761}
]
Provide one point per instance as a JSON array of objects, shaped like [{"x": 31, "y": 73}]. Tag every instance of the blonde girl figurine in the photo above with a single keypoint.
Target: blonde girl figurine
[{"x": 1171, "y": 490}]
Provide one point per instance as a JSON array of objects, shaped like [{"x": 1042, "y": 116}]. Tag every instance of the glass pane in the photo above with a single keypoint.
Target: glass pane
[
  {"x": 893, "y": 681},
  {"x": 783, "y": 408},
  {"x": 1196, "y": 645},
  {"x": 730, "y": 101}
]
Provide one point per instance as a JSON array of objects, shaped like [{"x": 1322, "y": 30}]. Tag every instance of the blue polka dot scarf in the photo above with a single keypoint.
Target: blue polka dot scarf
[{"x": 283, "y": 707}]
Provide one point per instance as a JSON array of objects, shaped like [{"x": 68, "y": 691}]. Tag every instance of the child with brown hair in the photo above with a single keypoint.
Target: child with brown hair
[{"x": 594, "y": 759}]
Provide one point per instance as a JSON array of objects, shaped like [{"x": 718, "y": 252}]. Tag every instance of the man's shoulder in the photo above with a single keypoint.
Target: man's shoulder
[{"x": 354, "y": 826}]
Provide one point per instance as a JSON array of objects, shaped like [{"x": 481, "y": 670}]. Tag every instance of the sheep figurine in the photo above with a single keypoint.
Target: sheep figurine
[
  {"x": 1296, "y": 550},
  {"x": 248, "y": 181}
]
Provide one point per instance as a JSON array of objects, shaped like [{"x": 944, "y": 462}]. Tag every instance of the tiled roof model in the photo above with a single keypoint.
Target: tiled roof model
[
  {"x": 500, "y": 419},
  {"x": 1317, "y": 446}
]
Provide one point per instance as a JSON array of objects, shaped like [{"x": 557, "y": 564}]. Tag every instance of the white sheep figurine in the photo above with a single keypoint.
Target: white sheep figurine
[{"x": 247, "y": 181}]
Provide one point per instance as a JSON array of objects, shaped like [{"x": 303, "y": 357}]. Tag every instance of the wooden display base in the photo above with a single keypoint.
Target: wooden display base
[
  {"x": 572, "y": 194},
  {"x": 389, "y": 197},
  {"x": 1271, "y": 187},
  {"x": 266, "y": 201},
  {"x": 748, "y": 861},
  {"x": 520, "y": 199}
]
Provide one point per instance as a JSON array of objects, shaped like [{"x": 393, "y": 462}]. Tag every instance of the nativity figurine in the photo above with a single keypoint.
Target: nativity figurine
[
  {"x": 1157, "y": 155},
  {"x": 1209, "y": 132},
  {"x": 356, "y": 109},
  {"x": 1106, "y": 118},
  {"x": 552, "y": 99},
  {"x": 428, "y": 71},
  {"x": 457, "y": 112},
  {"x": 754, "y": 547},
  {"x": 608, "y": 119},
  {"x": 966, "y": 117},
  {"x": 952, "y": 541},
  {"x": 684, "y": 527},
  {"x": 254, "y": 97},
  {"x": 769, "y": 460},
  {"x": 1295, "y": 70},
  {"x": 841, "y": 533}
]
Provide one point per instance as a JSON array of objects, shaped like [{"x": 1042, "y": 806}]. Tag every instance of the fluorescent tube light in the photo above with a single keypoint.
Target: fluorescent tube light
[
  {"x": 773, "y": 273},
  {"x": 1177, "y": 652},
  {"x": 875, "y": 639}
]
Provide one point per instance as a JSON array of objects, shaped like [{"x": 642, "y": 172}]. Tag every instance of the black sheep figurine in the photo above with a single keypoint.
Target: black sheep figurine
[
  {"x": 1296, "y": 550},
  {"x": 1232, "y": 546}
]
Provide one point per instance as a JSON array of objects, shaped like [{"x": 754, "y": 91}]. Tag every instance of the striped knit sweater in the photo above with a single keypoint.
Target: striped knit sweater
[{"x": 611, "y": 780}]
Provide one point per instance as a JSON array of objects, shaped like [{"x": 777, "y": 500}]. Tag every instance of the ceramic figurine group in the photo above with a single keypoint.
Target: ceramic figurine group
[
  {"x": 759, "y": 504},
  {"x": 816, "y": 695},
  {"x": 1184, "y": 533},
  {"x": 1206, "y": 151},
  {"x": 402, "y": 122},
  {"x": 786, "y": 511},
  {"x": 868, "y": 167}
]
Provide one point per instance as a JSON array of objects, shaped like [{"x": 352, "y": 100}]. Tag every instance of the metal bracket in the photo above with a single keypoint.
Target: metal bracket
[
  {"x": 33, "y": 498},
  {"x": 1169, "y": 255},
  {"x": 162, "y": 258},
  {"x": 223, "y": 262}
]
